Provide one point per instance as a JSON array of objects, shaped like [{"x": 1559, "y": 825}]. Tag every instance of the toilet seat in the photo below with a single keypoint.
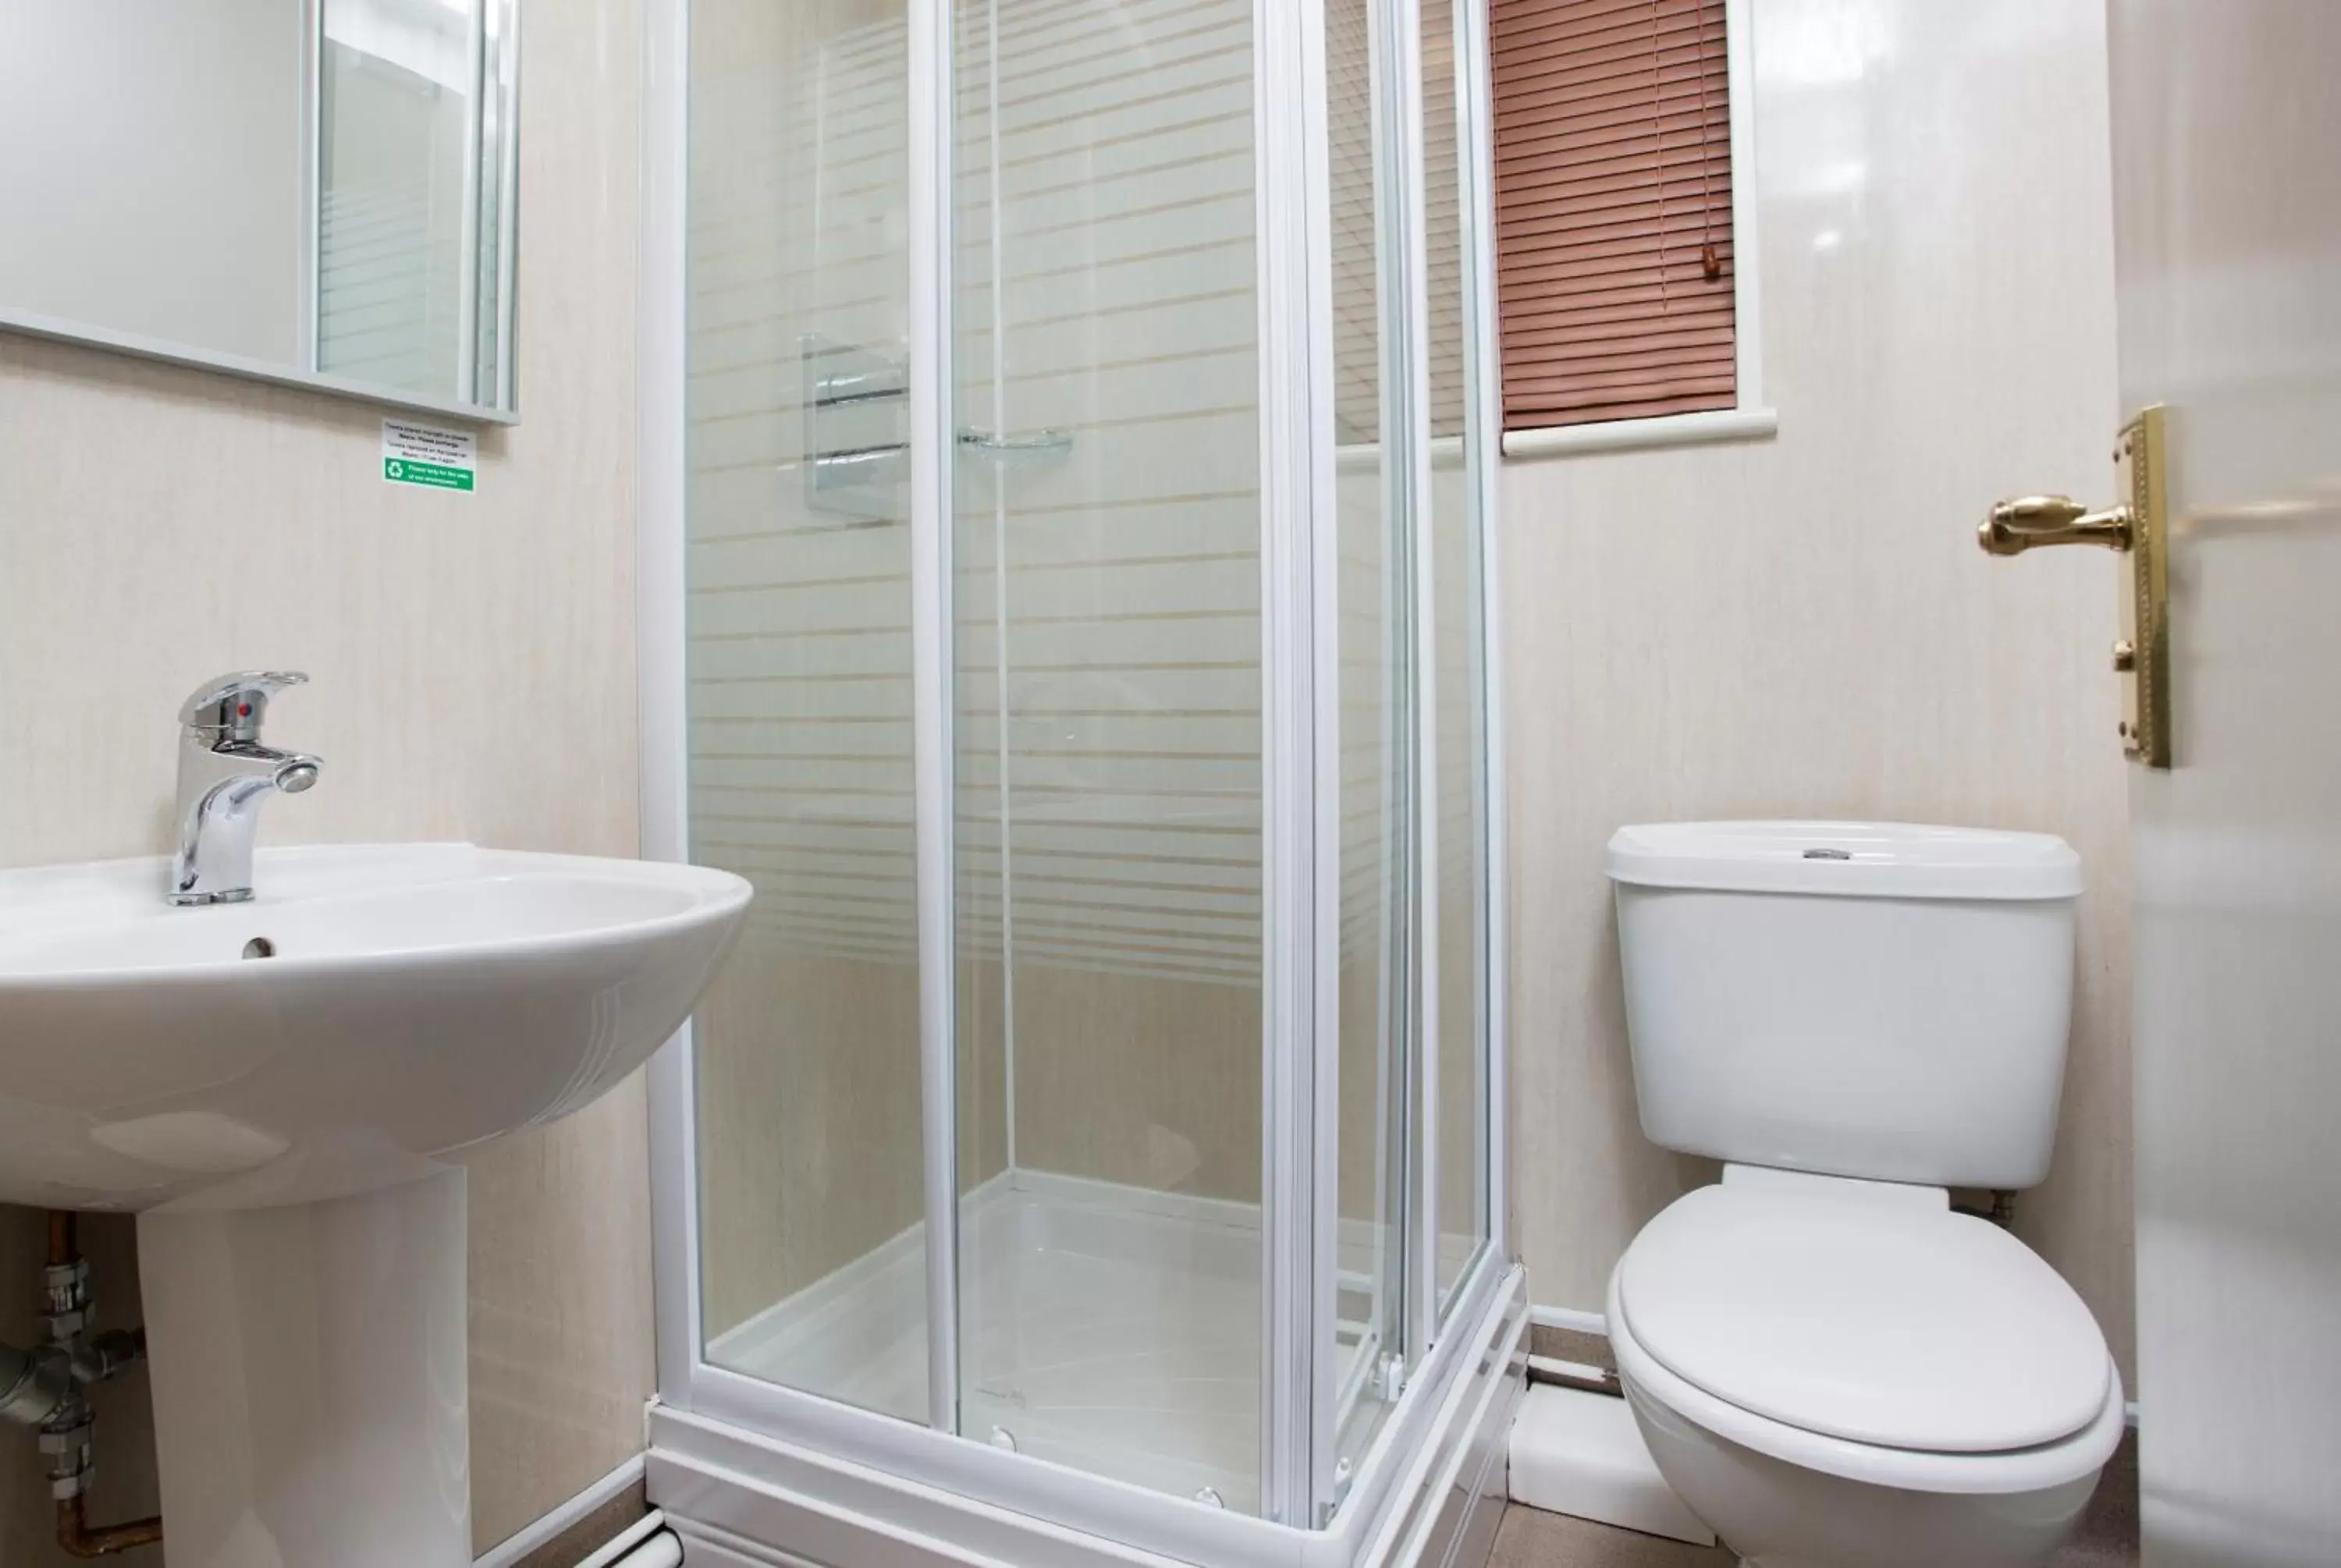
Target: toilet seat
[
  {"x": 1864, "y": 1310},
  {"x": 1907, "y": 1469},
  {"x": 1864, "y": 1330}
]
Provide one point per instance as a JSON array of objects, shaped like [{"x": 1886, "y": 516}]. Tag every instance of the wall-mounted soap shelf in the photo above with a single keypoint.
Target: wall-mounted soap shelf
[{"x": 857, "y": 449}]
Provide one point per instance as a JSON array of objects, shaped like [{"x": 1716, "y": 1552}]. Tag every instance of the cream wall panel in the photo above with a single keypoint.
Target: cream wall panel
[
  {"x": 473, "y": 660},
  {"x": 785, "y": 1197},
  {"x": 1124, "y": 1079},
  {"x": 1803, "y": 626}
]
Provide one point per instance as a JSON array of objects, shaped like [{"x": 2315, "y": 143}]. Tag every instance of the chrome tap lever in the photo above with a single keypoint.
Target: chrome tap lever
[
  {"x": 224, "y": 775},
  {"x": 236, "y": 703}
]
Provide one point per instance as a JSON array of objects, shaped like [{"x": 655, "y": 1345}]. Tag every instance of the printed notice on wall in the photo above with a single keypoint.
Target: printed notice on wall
[{"x": 425, "y": 455}]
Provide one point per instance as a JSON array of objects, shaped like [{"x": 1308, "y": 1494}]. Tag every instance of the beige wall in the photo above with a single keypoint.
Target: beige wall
[
  {"x": 1138, "y": 1079},
  {"x": 809, "y": 1122},
  {"x": 474, "y": 678},
  {"x": 1803, "y": 626}
]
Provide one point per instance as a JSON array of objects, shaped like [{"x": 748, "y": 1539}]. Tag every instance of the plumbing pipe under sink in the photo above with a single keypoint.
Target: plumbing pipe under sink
[{"x": 645, "y": 1543}]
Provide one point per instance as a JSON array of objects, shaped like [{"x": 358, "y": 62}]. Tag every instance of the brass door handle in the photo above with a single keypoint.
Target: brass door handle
[
  {"x": 2027, "y": 521},
  {"x": 2138, "y": 529}
]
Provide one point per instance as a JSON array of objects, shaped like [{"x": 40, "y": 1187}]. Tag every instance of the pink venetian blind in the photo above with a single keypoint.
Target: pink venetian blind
[{"x": 1613, "y": 209}]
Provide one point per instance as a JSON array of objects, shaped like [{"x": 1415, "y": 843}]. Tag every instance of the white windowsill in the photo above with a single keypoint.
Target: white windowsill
[
  {"x": 1446, "y": 453},
  {"x": 1631, "y": 434}
]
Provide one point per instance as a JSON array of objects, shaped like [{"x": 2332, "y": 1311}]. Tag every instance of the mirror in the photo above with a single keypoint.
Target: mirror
[{"x": 312, "y": 191}]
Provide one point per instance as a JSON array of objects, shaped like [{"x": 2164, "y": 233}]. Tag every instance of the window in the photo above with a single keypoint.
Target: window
[{"x": 1619, "y": 272}]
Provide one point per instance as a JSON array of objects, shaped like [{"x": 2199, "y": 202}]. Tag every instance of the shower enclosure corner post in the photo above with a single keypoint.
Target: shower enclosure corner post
[
  {"x": 1300, "y": 858},
  {"x": 1484, "y": 430},
  {"x": 933, "y": 454},
  {"x": 1407, "y": 425}
]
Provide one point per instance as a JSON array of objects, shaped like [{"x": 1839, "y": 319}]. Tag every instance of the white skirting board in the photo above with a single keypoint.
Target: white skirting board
[
  {"x": 1569, "y": 1317},
  {"x": 1578, "y": 1453},
  {"x": 504, "y": 1553}
]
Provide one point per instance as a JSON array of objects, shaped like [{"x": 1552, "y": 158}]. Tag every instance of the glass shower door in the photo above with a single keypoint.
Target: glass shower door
[
  {"x": 1105, "y": 541},
  {"x": 1108, "y": 771},
  {"x": 1458, "y": 688},
  {"x": 799, "y": 615},
  {"x": 1373, "y": 711}
]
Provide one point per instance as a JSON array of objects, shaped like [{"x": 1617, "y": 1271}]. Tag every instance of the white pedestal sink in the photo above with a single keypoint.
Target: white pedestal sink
[{"x": 285, "y": 1092}]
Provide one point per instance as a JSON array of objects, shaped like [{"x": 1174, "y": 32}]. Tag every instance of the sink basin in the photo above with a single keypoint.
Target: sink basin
[
  {"x": 374, "y": 1014},
  {"x": 286, "y": 1091}
]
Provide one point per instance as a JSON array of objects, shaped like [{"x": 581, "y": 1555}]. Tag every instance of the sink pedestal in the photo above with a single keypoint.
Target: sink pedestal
[{"x": 309, "y": 1375}]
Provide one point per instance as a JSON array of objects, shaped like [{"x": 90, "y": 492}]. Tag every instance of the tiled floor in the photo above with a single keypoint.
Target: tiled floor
[{"x": 1530, "y": 1538}]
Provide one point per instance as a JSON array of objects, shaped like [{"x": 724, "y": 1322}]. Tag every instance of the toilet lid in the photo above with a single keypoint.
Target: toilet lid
[{"x": 1877, "y": 1322}]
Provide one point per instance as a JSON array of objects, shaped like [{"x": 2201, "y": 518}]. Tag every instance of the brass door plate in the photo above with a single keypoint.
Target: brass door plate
[
  {"x": 2142, "y": 657},
  {"x": 2137, "y": 528}
]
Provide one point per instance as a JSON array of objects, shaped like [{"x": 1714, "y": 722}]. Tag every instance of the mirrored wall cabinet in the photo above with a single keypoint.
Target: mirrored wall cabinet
[{"x": 318, "y": 192}]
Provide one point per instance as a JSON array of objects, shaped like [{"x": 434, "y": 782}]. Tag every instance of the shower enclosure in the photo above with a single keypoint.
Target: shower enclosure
[{"x": 1064, "y": 591}]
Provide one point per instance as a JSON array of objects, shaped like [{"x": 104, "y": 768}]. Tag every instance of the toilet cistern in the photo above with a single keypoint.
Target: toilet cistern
[
  {"x": 1829, "y": 1364},
  {"x": 225, "y": 774}
]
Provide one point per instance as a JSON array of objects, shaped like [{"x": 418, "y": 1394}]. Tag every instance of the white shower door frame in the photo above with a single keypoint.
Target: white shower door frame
[{"x": 842, "y": 1461}]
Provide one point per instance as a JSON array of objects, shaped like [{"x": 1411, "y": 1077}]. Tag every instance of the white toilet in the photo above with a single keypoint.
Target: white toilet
[{"x": 1833, "y": 1367}]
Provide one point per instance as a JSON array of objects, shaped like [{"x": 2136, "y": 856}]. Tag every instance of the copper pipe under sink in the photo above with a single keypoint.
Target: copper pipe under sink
[{"x": 75, "y": 1536}]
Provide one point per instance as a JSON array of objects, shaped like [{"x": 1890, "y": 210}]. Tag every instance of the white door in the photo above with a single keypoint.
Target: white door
[{"x": 2227, "y": 147}]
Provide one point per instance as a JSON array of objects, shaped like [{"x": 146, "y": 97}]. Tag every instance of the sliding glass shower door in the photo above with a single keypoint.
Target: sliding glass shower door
[
  {"x": 1457, "y": 748},
  {"x": 798, "y": 564},
  {"x": 1373, "y": 676},
  {"x": 1106, "y": 702}
]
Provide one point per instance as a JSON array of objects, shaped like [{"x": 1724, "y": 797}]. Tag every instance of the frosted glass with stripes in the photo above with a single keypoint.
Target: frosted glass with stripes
[
  {"x": 1107, "y": 709},
  {"x": 798, "y": 669}
]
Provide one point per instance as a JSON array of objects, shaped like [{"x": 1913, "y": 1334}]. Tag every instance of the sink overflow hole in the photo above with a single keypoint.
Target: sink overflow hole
[{"x": 260, "y": 948}]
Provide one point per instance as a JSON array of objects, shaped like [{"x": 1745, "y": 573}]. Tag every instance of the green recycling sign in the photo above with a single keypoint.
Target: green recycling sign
[{"x": 421, "y": 454}]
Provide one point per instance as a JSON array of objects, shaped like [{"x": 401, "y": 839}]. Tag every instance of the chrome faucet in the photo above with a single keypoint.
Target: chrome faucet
[{"x": 224, "y": 774}]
